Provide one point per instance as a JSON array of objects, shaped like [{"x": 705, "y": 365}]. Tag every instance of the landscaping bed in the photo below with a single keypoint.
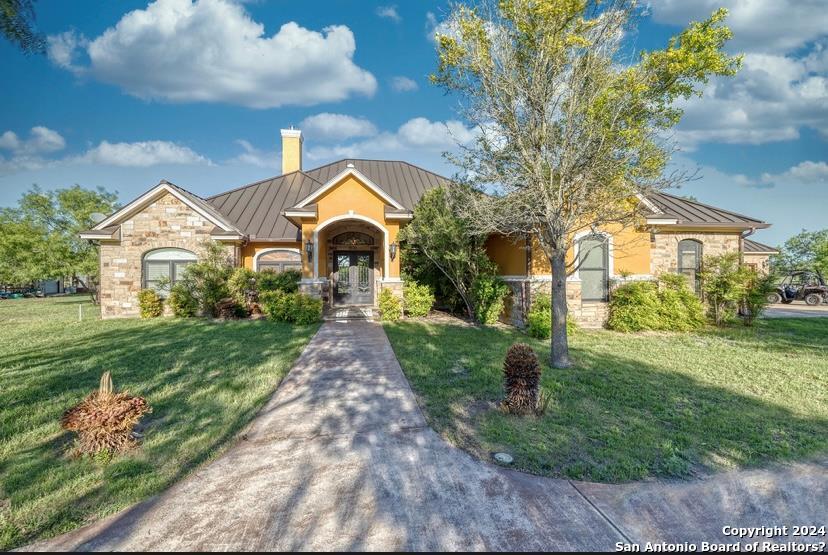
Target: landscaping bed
[
  {"x": 635, "y": 406},
  {"x": 205, "y": 380}
]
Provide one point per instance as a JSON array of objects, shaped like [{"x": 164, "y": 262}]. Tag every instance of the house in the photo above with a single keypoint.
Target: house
[{"x": 339, "y": 223}]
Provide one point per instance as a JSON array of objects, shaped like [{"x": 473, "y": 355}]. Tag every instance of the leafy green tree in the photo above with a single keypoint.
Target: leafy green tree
[
  {"x": 571, "y": 131},
  {"x": 807, "y": 249},
  {"x": 17, "y": 25},
  {"x": 39, "y": 239},
  {"x": 440, "y": 239}
]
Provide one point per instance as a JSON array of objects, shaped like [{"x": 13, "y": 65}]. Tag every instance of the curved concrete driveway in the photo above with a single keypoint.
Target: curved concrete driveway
[{"x": 342, "y": 459}]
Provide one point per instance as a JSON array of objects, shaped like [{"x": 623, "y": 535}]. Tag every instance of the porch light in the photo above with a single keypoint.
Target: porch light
[
  {"x": 309, "y": 248},
  {"x": 392, "y": 250}
]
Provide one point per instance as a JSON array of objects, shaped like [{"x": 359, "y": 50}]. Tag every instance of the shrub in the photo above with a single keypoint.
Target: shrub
[
  {"x": 521, "y": 377},
  {"x": 667, "y": 305},
  {"x": 295, "y": 308},
  {"x": 182, "y": 302},
  {"x": 489, "y": 293},
  {"x": 539, "y": 319},
  {"x": 206, "y": 280},
  {"x": 306, "y": 309},
  {"x": 418, "y": 299},
  {"x": 276, "y": 305},
  {"x": 754, "y": 300},
  {"x": 104, "y": 420},
  {"x": 389, "y": 306},
  {"x": 151, "y": 305},
  {"x": 287, "y": 281},
  {"x": 723, "y": 284},
  {"x": 635, "y": 306},
  {"x": 242, "y": 286}
]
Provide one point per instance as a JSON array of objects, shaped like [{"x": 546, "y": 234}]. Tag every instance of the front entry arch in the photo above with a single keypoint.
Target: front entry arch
[{"x": 344, "y": 218}]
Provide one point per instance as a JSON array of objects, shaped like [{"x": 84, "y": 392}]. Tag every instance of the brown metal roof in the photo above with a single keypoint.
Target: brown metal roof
[
  {"x": 257, "y": 209},
  {"x": 758, "y": 248},
  {"x": 691, "y": 212}
]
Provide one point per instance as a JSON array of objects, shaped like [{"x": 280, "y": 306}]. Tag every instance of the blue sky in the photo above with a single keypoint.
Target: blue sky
[{"x": 196, "y": 92}]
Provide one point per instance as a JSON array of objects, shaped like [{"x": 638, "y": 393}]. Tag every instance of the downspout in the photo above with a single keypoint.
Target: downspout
[{"x": 742, "y": 237}]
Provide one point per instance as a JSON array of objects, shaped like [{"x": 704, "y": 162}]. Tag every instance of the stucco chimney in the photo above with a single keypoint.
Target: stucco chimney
[{"x": 291, "y": 150}]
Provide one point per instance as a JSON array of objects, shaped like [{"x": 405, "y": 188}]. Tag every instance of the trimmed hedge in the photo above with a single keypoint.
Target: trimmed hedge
[
  {"x": 666, "y": 305},
  {"x": 151, "y": 305},
  {"x": 295, "y": 308},
  {"x": 418, "y": 299},
  {"x": 287, "y": 281},
  {"x": 390, "y": 306}
]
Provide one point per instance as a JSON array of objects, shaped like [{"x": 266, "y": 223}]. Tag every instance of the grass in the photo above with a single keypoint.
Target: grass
[
  {"x": 205, "y": 380},
  {"x": 635, "y": 406}
]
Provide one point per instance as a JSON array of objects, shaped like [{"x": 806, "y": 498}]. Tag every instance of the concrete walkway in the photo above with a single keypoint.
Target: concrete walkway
[{"x": 341, "y": 459}]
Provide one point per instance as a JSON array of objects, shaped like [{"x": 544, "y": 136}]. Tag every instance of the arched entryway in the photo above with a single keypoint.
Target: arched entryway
[{"x": 351, "y": 254}]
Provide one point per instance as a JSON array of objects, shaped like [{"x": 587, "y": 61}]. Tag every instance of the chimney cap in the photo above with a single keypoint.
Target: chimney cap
[{"x": 292, "y": 132}]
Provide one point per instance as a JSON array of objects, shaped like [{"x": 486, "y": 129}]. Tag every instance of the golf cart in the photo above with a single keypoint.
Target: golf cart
[{"x": 801, "y": 285}]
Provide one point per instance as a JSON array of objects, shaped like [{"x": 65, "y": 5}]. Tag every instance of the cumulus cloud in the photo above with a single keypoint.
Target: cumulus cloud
[
  {"x": 41, "y": 140},
  {"x": 213, "y": 51},
  {"x": 412, "y": 140},
  {"x": 327, "y": 126},
  {"x": 403, "y": 84},
  {"x": 389, "y": 12},
  {"x": 804, "y": 173},
  {"x": 758, "y": 25},
  {"x": 769, "y": 100},
  {"x": 141, "y": 154}
]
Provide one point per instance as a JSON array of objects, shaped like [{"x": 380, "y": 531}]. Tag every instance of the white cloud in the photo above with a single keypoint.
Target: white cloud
[
  {"x": 416, "y": 139},
  {"x": 253, "y": 156},
  {"x": 41, "y": 140},
  {"x": 141, "y": 154},
  {"x": 769, "y": 100},
  {"x": 335, "y": 127},
  {"x": 403, "y": 84},
  {"x": 213, "y": 51},
  {"x": 434, "y": 27},
  {"x": 804, "y": 173},
  {"x": 389, "y": 12},
  {"x": 757, "y": 25}
]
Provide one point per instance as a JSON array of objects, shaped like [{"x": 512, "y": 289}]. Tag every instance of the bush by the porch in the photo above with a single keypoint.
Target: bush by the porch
[
  {"x": 182, "y": 302},
  {"x": 295, "y": 308},
  {"x": 390, "y": 307},
  {"x": 417, "y": 298},
  {"x": 270, "y": 280},
  {"x": 539, "y": 319},
  {"x": 489, "y": 292}
]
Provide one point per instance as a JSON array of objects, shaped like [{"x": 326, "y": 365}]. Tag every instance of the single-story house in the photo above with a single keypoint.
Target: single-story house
[{"x": 338, "y": 224}]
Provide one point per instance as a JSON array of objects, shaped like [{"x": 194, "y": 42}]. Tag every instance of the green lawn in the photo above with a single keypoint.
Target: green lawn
[
  {"x": 205, "y": 381},
  {"x": 636, "y": 405}
]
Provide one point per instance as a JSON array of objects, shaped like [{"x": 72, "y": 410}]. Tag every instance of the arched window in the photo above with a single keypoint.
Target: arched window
[
  {"x": 593, "y": 267},
  {"x": 278, "y": 260},
  {"x": 163, "y": 267},
  {"x": 689, "y": 261}
]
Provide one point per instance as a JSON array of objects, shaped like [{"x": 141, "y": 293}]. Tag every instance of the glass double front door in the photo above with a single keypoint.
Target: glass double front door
[{"x": 353, "y": 277}]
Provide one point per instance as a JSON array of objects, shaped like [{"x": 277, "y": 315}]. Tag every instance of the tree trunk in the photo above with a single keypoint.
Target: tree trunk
[{"x": 560, "y": 344}]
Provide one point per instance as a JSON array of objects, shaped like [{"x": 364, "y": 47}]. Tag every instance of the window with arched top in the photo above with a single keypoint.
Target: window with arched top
[
  {"x": 690, "y": 252},
  {"x": 593, "y": 267},
  {"x": 162, "y": 268},
  {"x": 279, "y": 260},
  {"x": 353, "y": 239}
]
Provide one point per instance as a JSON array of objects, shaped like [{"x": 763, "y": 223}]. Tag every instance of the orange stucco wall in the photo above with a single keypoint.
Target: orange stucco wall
[
  {"x": 631, "y": 253},
  {"x": 350, "y": 197}
]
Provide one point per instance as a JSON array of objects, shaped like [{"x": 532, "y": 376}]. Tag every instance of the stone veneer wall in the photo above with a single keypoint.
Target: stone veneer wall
[
  {"x": 590, "y": 314},
  {"x": 664, "y": 250},
  {"x": 167, "y": 222}
]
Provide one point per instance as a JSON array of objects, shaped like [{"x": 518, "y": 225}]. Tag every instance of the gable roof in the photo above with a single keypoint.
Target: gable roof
[
  {"x": 258, "y": 209},
  {"x": 755, "y": 247},
  {"x": 696, "y": 214}
]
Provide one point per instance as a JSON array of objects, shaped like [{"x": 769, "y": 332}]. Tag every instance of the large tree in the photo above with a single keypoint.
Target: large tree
[
  {"x": 39, "y": 238},
  {"x": 573, "y": 127},
  {"x": 805, "y": 250}
]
